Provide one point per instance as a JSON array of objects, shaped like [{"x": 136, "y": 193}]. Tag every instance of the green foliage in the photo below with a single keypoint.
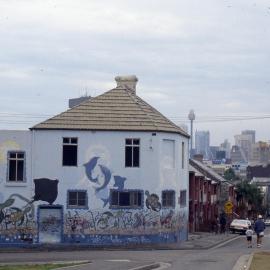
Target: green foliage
[
  {"x": 251, "y": 194},
  {"x": 229, "y": 174}
]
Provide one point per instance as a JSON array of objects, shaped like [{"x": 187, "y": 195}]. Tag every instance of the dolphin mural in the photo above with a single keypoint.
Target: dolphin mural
[
  {"x": 119, "y": 182},
  {"x": 89, "y": 167}
]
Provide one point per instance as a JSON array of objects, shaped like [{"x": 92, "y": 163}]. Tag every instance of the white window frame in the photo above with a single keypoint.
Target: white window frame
[{"x": 16, "y": 158}]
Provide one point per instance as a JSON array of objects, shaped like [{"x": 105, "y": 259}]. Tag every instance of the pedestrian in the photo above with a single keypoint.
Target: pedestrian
[
  {"x": 223, "y": 222},
  {"x": 259, "y": 228},
  {"x": 249, "y": 233}
]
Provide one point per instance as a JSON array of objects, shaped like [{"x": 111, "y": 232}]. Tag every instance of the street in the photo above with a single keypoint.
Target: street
[{"x": 222, "y": 258}]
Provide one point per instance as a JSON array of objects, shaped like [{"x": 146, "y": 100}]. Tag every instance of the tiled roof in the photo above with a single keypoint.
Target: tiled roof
[{"x": 117, "y": 109}]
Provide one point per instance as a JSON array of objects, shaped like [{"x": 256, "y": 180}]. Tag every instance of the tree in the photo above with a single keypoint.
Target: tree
[
  {"x": 249, "y": 198},
  {"x": 230, "y": 175}
]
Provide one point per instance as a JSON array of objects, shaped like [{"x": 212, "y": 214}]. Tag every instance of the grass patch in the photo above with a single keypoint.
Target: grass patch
[
  {"x": 37, "y": 266},
  {"x": 260, "y": 261}
]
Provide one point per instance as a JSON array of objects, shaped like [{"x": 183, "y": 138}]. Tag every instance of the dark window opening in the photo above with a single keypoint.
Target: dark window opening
[
  {"x": 132, "y": 153},
  {"x": 183, "y": 198},
  {"x": 126, "y": 198},
  {"x": 77, "y": 199},
  {"x": 168, "y": 198},
  {"x": 16, "y": 161},
  {"x": 70, "y": 151}
]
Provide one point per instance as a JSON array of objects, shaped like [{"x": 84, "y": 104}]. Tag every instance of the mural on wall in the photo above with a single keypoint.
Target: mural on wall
[
  {"x": 123, "y": 222},
  {"x": 152, "y": 201},
  {"x": 17, "y": 222},
  {"x": 101, "y": 176},
  {"x": 46, "y": 190}
]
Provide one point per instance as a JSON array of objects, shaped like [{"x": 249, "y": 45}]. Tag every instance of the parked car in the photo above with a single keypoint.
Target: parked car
[
  {"x": 267, "y": 221},
  {"x": 239, "y": 225}
]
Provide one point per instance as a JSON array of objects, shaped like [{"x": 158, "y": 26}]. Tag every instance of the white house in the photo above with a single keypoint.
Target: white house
[{"x": 109, "y": 171}]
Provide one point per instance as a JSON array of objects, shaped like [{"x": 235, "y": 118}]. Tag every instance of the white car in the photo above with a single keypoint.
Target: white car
[
  {"x": 267, "y": 222},
  {"x": 239, "y": 225}
]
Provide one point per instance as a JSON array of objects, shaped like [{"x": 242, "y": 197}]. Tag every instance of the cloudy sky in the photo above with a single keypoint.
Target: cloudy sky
[{"x": 212, "y": 56}]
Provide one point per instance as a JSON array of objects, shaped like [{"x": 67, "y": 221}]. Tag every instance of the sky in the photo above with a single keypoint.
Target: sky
[{"x": 212, "y": 56}]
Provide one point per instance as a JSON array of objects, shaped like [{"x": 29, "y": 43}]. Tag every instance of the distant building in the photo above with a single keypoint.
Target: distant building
[
  {"x": 238, "y": 155},
  {"x": 226, "y": 146},
  {"x": 202, "y": 143},
  {"x": 260, "y": 153},
  {"x": 245, "y": 141}
]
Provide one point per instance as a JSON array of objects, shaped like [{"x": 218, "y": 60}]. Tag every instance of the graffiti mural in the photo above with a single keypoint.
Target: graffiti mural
[
  {"x": 152, "y": 201},
  {"x": 17, "y": 222},
  {"x": 101, "y": 176},
  {"x": 46, "y": 190},
  {"x": 122, "y": 222}
]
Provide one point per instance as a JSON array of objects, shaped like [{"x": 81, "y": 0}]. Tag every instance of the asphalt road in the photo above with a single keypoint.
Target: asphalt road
[{"x": 222, "y": 258}]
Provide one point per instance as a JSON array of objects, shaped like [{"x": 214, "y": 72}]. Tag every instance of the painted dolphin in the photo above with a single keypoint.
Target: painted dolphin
[
  {"x": 105, "y": 201},
  {"x": 107, "y": 176},
  {"x": 89, "y": 167},
  {"x": 119, "y": 182}
]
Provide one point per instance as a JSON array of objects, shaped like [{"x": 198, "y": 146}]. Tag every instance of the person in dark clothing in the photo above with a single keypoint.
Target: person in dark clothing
[
  {"x": 222, "y": 222},
  {"x": 259, "y": 228}
]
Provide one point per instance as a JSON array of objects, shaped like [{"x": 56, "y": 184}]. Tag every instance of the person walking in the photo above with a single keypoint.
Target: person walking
[
  {"x": 259, "y": 228},
  {"x": 249, "y": 233}
]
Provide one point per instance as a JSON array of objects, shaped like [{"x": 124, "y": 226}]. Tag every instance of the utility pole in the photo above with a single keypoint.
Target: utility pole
[{"x": 191, "y": 117}]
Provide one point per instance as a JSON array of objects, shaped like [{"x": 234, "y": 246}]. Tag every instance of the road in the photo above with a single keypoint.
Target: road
[{"x": 222, "y": 258}]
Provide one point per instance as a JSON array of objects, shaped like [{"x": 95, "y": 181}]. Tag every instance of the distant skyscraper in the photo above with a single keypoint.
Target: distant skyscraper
[
  {"x": 202, "y": 143},
  {"x": 252, "y": 134},
  {"x": 226, "y": 146},
  {"x": 245, "y": 141}
]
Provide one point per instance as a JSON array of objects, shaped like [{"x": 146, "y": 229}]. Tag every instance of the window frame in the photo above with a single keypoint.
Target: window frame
[
  {"x": 70, "y": 144},
  {"x": 77, "y": 206},
  {"x": 133, "y": 146},
  {"x": 164, "y": 192},
  {"x": 16, "y": 159},
  {"x": 182, "y": 205},
  {"x": 183, "y": 155},
  {"x": 131, "y": 206}
]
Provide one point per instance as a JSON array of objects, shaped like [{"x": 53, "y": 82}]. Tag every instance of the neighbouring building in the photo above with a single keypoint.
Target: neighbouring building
[
  {"x": 208, "y": 193},
  {"x": 111, "y": 170}
]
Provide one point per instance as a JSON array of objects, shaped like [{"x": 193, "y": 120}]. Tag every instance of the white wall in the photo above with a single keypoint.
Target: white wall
[
  {"x": 153, "y": 174},
  {"x": 15, "y": 140}
]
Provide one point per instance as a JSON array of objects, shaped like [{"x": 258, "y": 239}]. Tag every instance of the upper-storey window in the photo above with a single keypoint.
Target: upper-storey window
[
  {"x": 16, "y": 162},
  {"x": 183, "y": 155},
  {"x": 132, "y": 153},
  {"x": 70, "y": 151}
]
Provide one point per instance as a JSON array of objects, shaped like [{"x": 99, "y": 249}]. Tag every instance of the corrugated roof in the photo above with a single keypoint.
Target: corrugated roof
[{"x": 117, "y": 109}]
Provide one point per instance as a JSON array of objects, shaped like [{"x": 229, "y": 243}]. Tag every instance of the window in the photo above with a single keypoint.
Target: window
[
  {"x": 127, "y": 199},
  {"x": 16, "y": 162},
  {"x": 168, "y": 153},
  {"x": 70, "y": 146},
  {"x": 168, "y": 198},
  {"x": 132, "y": 153},
  {"x": 183, "y": 198},
  {"x": 183, "y": 155},
  {"x": 77, "y": 199}
]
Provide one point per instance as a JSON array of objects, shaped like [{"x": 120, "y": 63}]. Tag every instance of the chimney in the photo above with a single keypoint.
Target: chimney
[{"x": 128, "y": 82}]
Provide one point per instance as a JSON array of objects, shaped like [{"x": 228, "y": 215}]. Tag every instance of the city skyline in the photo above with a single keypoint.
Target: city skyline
[{"x": 212, "y": 58}]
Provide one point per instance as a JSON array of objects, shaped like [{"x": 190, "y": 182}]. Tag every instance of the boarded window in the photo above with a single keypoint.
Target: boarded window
[
  {"x": 77, "y": 199},
  {"x": 70, "y": 150},
  {"x": 132, "y": 153},
  {"x": 16, "y": 164},
  {"x": 168, "y": 198},
  {"x": 168, "y": 152},
  {"x": 129, "y": 198}
]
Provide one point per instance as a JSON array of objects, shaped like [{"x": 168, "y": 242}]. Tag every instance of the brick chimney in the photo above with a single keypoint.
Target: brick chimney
[{"x": 128, "y": 81}]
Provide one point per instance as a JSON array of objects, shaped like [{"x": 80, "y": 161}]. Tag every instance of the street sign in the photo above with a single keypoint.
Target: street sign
[{"x": 228, "y": 207}]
